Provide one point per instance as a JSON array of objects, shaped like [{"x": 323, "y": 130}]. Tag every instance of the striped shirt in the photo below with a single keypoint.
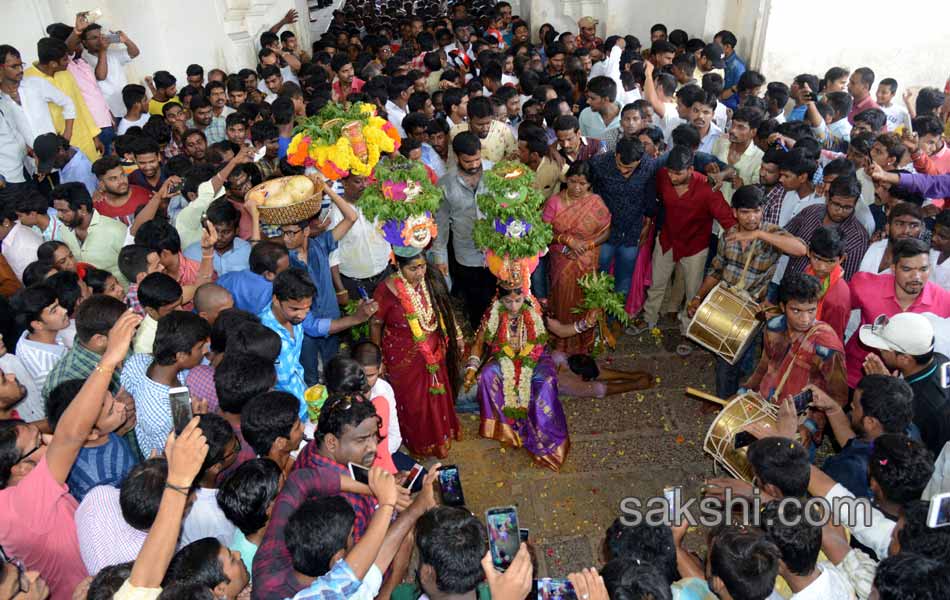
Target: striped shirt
[
  {"x": 729, "y": 263},
  {"x": 855, "y": 236},
  {"x": 104, "y": 465},
  {"x": 104, "y": 537},
  {"x": 38, "y": 358},
  {"x": 152, "y": 409}
]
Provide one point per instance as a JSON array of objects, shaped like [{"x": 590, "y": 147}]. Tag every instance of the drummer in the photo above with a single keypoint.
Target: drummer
[
  {"x": 799, "y": 350},
  {"x": 762, "y": 244}
]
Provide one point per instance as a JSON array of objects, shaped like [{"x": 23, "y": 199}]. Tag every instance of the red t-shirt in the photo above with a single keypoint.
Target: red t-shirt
[
  {"x": 38, "y": 526},
  {"x": 138, "y": 196}
]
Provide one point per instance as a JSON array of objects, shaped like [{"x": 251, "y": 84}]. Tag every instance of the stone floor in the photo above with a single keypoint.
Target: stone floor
[{"x": 630, "y": 445}]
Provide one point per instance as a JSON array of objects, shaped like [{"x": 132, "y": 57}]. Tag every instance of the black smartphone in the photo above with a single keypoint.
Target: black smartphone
[
  {"x": 359, "y": 473},
  {"x": 175, "y": 187},
  {"x": 802, "y": 400},
  {"x": 555, "y": 589},
  {"x": 451, "y": 485},
  {"x": 743, "y": 439},
  {"x": 523, "y": 534},
  {"x": 504, "y": 537}
]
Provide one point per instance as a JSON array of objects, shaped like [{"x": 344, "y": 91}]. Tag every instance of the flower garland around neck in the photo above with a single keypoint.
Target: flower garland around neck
[
  {"x": 517, "y": 366},
  {"x": 422, "y": 321}
]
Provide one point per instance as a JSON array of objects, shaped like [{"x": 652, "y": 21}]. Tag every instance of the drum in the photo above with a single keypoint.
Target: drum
[
  {"x": 742, "y": 410},
  {"x": 725, "y": 323}
]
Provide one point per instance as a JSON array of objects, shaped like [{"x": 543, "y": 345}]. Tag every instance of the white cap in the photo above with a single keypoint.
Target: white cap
[{"x": 906, "y": 333}]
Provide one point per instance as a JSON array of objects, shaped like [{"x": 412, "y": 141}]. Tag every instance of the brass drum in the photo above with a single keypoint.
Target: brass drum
[
  {"x": 725, "y": 322},
  {"x": 742, "y": 410}
]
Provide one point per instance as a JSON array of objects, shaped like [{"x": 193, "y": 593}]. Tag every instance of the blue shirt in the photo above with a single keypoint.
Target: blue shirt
[
  {"x": 628, "y": 199},
  {"x": 850, "y": 467},
  {"x": 339, "y": 583},
  {"x": 318, "y": 265},
  {"x": 107, "y": 464},
  {"x": 289, "y": 369},
  {"x": 592, "y": 124},
  {"x": 797, "y": 113},
  {"x": 153, "y": 412},
  {"x": 734, "y": 70},
  {"x": 251, "y": 292},
  {"x": 283, "y": 143},
  {"x": 235, "y": 259},
  {"x": 79, "y": 169}
]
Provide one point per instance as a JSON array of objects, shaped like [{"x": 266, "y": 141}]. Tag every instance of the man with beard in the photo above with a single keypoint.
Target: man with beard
[
  {"x": 458, "y": 214},
  {"x": 202, "y": 118},
  {"x": 99, "y": 238},
  {"x": 175, "y": 117},
  {"x": 148, "y": 157},
  {"x": 701, "y": 113},
  {"x": 738, "y": 150},
  {"x": 231, "y": 253},
  {"x": 496, "y": 141},
  {"x": 116, "y": 198},
  {"x": 195, "y": 145},
  {"x": 881, "y": 296},
  {"x": 904, "y": 220},
  {"x": 11, "y": 390}
]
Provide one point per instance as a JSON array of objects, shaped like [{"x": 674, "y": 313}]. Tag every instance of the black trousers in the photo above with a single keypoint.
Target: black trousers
[
  {"x": 352, "y": 285},
  {"x": 476, "y": 287}
]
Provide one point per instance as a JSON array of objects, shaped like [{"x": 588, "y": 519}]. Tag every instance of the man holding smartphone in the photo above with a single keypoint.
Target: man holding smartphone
[{"x": 108, "y": 60}]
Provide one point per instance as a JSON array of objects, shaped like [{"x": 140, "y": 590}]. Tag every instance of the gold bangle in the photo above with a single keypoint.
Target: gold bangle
[{"x": 100, "y": 369}]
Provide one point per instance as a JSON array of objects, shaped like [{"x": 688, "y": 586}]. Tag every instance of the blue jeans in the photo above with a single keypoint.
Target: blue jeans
[
  {"x": 315, "y": 353},
  {"x": 539, "y": 279},
  {"x": 624, "y": 259},
  {"x": 106, "y": 136}
]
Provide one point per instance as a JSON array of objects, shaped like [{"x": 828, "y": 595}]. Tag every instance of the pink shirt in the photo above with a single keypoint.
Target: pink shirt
[
  {"x": 89, "y": 88},
  {"x": 38, "y": 526},
  {"x": 384, "y": 459},
  {"x": 873, "y": 295},
  {"x": 941, "y": 159},
  {"x": 865, "y": 104}
]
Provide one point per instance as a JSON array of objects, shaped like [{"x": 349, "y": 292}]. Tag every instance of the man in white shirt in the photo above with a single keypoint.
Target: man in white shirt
[
  {"x": 13, "y": 145},
  {"x": 39, "y": 348},
  {"x": 205, "y": 518},
  {"x": 668, "y": 113},
  {"x": 364, "y": 253},
  {"x": 28, "y": 99},
  {"x": 897, "y": 115},
  {"x": 17, "y": 243},
  {"x": 399, "y": 89},
  {"x": 904, "y": 220},
  {"x": 109, "y": 63}
]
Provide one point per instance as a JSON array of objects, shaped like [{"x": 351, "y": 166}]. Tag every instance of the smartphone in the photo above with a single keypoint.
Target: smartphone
[
  {"x": 451, "y": 485},
  {"x": 504, "y": 538},
  {"x": 945, "y": 375},
  {"x": 414, "y": 473},
  {"x": 204, "y": 221},
  {"x": 670, "y": 494},
  {"x": 802, "y": 400},
  {"x": 91, "y": 15},
  {"x": 523, "y": 534},
  {"x": 939, "y": 514},
  {"x": 365, "y": 296},
  {"x": 180, "y": 401},
  {"x": 260, "y": 153},
  {"x": 743, "y": 439},
  {"x": 175, "y": 187},
  {"x": 359, "y": 473},
  {"x": 555, "y": 589},
  {"x": 111, "y": 37}
]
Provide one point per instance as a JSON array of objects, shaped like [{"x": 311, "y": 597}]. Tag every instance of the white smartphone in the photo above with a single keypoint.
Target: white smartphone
[
  {"x": 414, "y": 473},
  {"x": 260, "y": 153},
  {"x": 180, "y": 401},
  {"x": 939, "y": 514},
  {"x": 359, "y": 473}
]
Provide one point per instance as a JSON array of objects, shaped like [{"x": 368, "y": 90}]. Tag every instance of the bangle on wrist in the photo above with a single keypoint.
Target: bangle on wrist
[
  {"x": 104, "y": 369},
  {"x": 183, "y": 490}
]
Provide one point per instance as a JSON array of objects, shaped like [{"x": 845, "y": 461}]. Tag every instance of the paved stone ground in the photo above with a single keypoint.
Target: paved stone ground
[{"x": 629, "y": 445}]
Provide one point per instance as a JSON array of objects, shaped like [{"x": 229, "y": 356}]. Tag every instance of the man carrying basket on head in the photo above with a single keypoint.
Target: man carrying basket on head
[{"x": 745, "y": 260}]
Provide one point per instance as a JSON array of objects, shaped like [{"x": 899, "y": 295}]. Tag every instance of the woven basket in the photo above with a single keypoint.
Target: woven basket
[{"x": 292, "y": 213}]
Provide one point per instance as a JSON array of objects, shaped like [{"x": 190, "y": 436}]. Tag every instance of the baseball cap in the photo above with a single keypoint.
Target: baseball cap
[
  {"x": 715, "y": 54},
  {"x": 906, "y": 333},
  {"x": 587, "y": 22},
  {"x": 45, "y": 148}
]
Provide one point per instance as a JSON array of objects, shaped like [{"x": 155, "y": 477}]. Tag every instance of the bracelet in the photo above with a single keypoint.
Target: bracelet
[
  {"x": 392, "y": 506},
  {"x": 341, "y": 292},
  {"x": 184, "y": 491},
  {"x": 106, "y": 371}
]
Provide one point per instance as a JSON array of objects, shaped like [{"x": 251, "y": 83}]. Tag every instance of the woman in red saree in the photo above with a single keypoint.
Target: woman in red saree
[
  {"x": 581, "y": 222},
  {"x": 416, "y": 329}
]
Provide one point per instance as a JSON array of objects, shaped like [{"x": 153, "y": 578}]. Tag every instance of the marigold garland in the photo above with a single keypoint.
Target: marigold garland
[{"x": 414, "y": 307}]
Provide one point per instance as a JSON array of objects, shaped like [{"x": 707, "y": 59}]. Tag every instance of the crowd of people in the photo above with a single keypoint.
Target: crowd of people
[{"x": 133, "y": 263}]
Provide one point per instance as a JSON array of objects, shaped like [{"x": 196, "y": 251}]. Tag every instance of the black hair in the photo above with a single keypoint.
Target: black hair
[
  {"x": 163, "y": 79},
  {"x": 778, "y": 92},
  {"x": 222, "y": 212},
  {"x": 267, "y": 417},
  {"x": 644, "y": 543},
  {"x": 108, "y": 581},
  {"x": 239, "y": 378},
  {"x": 50, "y": 49},
  {"x": 334, "y": 419},
  {"x": 839, "y": 167},
  {"x": 635, "y": 580},
  {"x": 141, "y": 492},
  {"x": 178, "y": 331},
  {"x": 158, "y": 290},
  {"x": 194, "y": 70},
  {"x": 800, "y": 287},
  {"x": 75, "y": 194},
  {"x": 908, "y": 248},
  {"x": 811, "y": 80},
  {"x": 169, "y": 105},
  {"x": 245, "y": 495},
  {"x": 367, "y": 354},
  {"x": 159, "y": 235},
  {"x": 30, "y": 201},
  {"x": 36, "y": 272},
  {"x": 782, "y": 463},
  {"x": 918, "y": 537},
  {"x": 748, "y": 197},
  {"x": 255, "y": 339},
  {"x": 929, "y": 99},
  {"x": 798, "y": 163},
  {"x": 901, "y": 466},
  {"x": 746, "y": 561},
  {"x": 133, "y": 259},
  {"x": 343, "y": 375},
  {"x": 686, "y": 135},
  {"x": 794, "y": 533},
  {"x": 156, "y": 130},
  {"x": 197, "y": 563},
  {"x": 466, "y": 143},
  {"x": 927, "y": 125},
  {"x": 629, "y": 150},
  {"x": 479, "y": 108},
  {"x": 59, "y": 398},
  {"x": 46, "y": 251},
  {"x": 316, "y": 531},
  {"x": 750, "y": 115},
  {"x": 293, "y": 284},
  {"x": 29, "y": 303},
  {"x": 219, "y": 433},
  {"x": 679, "y": 158},
  {"x": 264, "y": 257},
  {"x": 452, "y": 541},
  {"x": 604, "y": 87},
  {"x": 97, "y": 279},
  {"x": 827, "y": 242},
  {"x": 226, "y": 323},
  {"x": 908, "y": 576},
  {"x": 845, "y": 187},
  {"x": 712, "y": 84},
  {"x": 263, "y": 131},
  {"x": 875, "y": 117},
  {"x": 68, "y": 291},
  {"x": 6, "y": 50},
  {"x": 685, "y": 62},
  {"x": 133, "y": 94},
  {"x": 97, "y": 315}
]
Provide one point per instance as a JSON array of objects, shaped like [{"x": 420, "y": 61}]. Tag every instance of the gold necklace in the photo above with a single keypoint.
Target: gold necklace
[{"x": 424, "y": 313}]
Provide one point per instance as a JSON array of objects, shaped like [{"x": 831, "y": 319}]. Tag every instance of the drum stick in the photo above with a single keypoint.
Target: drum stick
[{"x": 701, "y": 394}]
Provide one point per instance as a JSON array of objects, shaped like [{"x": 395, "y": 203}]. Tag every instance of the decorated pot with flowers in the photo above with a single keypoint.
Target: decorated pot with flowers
[{"x": 402, "y": 201}]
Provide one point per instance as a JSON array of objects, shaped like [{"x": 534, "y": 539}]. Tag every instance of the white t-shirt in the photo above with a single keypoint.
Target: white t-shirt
[
  {"x": 394, "y": 436},
  {"x": 206, "y": 519},
  {"x": 897, "y": 115},
  {"x": 721, "y": 115},
  {"x": 939, "y": 273},
  {"x": 830, "y": 585},
  {"x": 668, "y": 122},
  {"x": 111, "y": 87},
  {"x": 124, "y": 124},
  {"x": 872, "y": 258}
]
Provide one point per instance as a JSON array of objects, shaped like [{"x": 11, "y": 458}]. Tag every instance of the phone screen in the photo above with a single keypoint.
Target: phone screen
[
  {"x": 180, "y": 402},
  {"x": 503, "y": 535},
  {"x": 451, "y": 485},
  {"x": 523, "y": 534},
  {"x": 743, "y": 439},
  {"x": 939, "y": 515},
  {"x": 359, "y": 473},
  {"x": 802, "y": 400},
  {"x": 412, "y": 476},
  {"x": 555, "y": 589}
]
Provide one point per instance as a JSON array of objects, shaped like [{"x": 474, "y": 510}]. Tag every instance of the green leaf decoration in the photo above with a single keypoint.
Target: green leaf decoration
[
  {"x": 508, "y": 195},
  {"x": 599, "y": 292},
  {"x": 357, "y": 332},
  {"x": 326, "y": 127},
  {"x": 399, "y": 169}
]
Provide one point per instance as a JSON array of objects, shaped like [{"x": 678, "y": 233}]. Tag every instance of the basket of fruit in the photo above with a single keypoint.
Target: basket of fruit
[{"x": 286, "y": 200}]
